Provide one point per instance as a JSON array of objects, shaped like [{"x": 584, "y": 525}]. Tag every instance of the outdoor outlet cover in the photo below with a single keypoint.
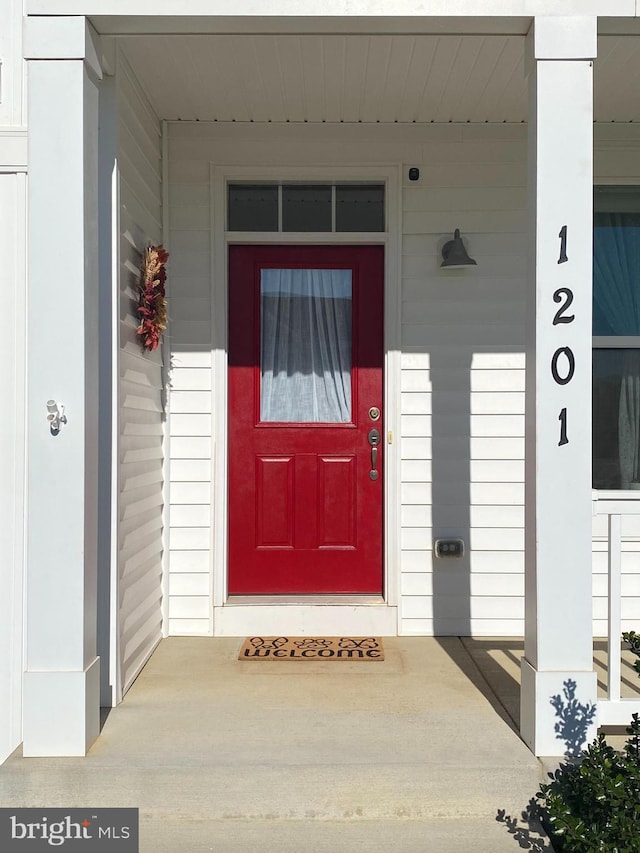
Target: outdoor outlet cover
[{"x": 446, "y": 548}]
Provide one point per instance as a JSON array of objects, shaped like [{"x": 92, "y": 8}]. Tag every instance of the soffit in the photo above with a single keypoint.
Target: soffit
[
  {"x": 360, "y": 78},
  {"x": 617, "y": 79},
  {"x": 332, "y": 78}
]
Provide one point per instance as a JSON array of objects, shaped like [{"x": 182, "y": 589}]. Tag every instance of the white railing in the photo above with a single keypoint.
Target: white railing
[{"x": 614, "y": 710}]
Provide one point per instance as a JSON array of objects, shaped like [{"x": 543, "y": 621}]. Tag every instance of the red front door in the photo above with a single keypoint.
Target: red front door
[{"x": 305, "y": 389}]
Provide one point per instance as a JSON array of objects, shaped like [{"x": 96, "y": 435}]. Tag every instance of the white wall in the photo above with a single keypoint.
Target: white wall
[
  {"x": 462, "y": 399},
  {"x": 12, "y": 473},
  {"x": 12, "y": 378},
  {"x": 141, "y": 409},
  {"x": 463, "y": 384},
  {"x": 191, "y": 468},
  {"x": 12, "y": 105}
]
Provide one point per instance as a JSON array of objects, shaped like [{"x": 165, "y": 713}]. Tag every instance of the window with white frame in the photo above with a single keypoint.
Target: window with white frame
[{"x": 616, "y": 338}]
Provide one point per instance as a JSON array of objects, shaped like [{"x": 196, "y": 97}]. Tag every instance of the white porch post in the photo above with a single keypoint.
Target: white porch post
[
  {"x": 62, "y": 678},
  {"x": 558, "y": 613}
]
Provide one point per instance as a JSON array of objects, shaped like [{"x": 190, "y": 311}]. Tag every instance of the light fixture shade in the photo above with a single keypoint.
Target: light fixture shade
[{"x": 455, "y": 254}]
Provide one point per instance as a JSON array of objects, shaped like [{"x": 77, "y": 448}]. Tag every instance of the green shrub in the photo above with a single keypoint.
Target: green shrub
[
  {"x": 633, "y": 641},
  {"x": 593, "y": 803}
]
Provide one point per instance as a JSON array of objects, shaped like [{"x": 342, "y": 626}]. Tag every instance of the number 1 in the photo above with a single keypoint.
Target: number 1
[
  {"x": 563, "y": 245},
  {"x": 563, "y": 428}
]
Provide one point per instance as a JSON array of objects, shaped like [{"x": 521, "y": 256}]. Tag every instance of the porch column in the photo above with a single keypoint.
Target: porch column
[
  {"x": 62, "y": 678},
  {"x": 558, "y": 593}
]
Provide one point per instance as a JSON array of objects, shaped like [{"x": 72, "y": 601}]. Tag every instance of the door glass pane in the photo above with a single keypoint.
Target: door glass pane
[
  {"x": 616, "y": 419},
  {"x": 305, "y": 345},
  {"x": 306, "y": 207},
  {"x": 253, "y": 207},
  {"x": 360, "y": 207}
]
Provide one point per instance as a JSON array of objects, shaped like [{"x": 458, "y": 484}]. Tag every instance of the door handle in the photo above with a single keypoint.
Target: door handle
[{"x": 374, "y": 441}]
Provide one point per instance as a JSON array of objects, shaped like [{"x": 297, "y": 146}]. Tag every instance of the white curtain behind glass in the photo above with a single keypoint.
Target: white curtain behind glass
[
  {"x": 616, "y": 311},
  {"x": 305, "y": 345}
]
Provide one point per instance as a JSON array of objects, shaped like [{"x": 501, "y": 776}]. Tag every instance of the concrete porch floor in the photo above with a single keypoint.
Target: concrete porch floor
[{"x": 416, "y": 753}]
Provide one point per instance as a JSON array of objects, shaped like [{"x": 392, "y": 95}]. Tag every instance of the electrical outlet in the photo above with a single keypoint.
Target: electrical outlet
[{"x": 447, "y": 548}]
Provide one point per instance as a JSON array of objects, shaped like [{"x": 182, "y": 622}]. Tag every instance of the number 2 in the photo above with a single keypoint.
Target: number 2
[{"x": 557, "y": 297}]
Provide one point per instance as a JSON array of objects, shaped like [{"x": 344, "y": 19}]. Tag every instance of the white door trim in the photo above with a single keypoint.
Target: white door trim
[{"x": 353, "y": 616}]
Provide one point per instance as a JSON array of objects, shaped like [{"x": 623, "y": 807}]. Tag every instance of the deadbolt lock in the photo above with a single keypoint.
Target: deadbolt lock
[{"x": 374, "y": 413}]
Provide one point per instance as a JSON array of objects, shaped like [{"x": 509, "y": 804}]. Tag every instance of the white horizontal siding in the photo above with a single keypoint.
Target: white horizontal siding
[
  {"x": 190, "y": 561},
  {"x": 140, "y": 439},
  {"x": 189, "y": 627},
  {"x": 190, "y": 493},
  {"x": 463, "y": 365},
  {"x": 462, "y": 397},
  {"x": 488, "y": 518},
  {"x": 190, "y": 426},
  {"x": 190, "y": 470}
]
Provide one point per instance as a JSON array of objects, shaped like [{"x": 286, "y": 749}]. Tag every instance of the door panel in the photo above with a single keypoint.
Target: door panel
[
  {"x": 274, "y": 502},
  {"x": 305, "y": 367},
  {"x": 336, "y": 501}
]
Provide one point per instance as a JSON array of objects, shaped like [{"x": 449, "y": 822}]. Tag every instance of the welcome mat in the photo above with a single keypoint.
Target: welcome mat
[{"x": 312, "y": 648}]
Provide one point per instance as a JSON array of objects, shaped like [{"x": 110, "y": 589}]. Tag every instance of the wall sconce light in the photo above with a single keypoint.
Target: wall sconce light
[
  {"x": 56, "y": 416},
  {"x": 454, "y": 253}
]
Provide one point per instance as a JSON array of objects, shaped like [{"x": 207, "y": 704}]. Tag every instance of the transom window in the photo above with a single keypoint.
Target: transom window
[
  {"x": 305, "y": 207},
  {"x": 616, "y": 338}
]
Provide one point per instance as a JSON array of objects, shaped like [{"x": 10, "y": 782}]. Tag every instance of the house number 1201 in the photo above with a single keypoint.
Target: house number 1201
[{"x": 563, "y": 362}]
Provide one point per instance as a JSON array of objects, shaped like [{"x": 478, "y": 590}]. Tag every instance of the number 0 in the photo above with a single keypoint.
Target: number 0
[{"x": 571, "y": 365}]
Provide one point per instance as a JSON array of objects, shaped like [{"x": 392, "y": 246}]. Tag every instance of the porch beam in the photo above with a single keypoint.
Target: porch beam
[
  {"x": 338, "y": 8},
  {"x": 62, "y": 678},
  {"x": 558, "y": 493}
]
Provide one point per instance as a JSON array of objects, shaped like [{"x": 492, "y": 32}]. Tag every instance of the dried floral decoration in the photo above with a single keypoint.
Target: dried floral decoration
[{"x": 152, "y": 304}]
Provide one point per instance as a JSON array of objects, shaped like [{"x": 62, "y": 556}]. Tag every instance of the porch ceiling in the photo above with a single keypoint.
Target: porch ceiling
[{"x": 361, "y": 78}]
